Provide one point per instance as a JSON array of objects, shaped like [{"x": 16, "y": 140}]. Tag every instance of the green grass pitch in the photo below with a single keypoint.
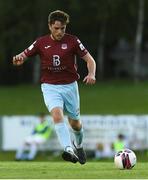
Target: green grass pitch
[
  {"x": 67, "y": 170},
  {"x": 102, "y": 98}
]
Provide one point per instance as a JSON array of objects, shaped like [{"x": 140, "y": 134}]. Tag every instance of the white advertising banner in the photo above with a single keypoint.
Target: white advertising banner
[
  {"x": 15, "y": 129},
  {"x": 106, "y": 128},
  {"x": 97, "y": 129}
]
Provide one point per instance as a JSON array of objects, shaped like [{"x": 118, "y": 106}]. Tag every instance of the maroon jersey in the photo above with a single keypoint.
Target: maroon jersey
[{"x": 58, "y": 58}]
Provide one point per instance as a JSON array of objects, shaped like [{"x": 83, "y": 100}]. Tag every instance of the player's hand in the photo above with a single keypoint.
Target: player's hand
[
  {"x": 18, "y": 60},
  {"x": 89, "y": 79}
]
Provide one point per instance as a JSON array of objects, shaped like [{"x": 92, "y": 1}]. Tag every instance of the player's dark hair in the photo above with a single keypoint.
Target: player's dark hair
[{"x": 58, "y": 15}]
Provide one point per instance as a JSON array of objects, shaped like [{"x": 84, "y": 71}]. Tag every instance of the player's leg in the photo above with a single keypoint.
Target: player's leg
[
  {"x": 78, "y": 143},
  {"x": 21, "y": 151},
  {"x": 34, "y": 143},
  {"x": 54, "y": 103},
  {"x": 63, "y": 135},
  {"x": 77, "y": 130},
  {"x": 72, "y": 106},
  {"x": 31, "y": 148},
  {"x": 32, "y": 151},
  {"x": 61, "y": 127}
]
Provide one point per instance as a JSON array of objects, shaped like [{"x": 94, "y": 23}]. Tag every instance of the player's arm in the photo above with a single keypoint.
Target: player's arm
[
  {"x": 30, "y": 51},
  {"x": 91, "y": 66},
  {"x": 19, "y": 59}
]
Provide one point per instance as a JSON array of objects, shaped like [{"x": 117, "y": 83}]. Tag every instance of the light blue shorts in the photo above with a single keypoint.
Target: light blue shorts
[{"x": 64, "y": 96}]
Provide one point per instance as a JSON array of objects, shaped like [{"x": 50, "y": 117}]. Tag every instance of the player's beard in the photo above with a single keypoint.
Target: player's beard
[{"x": 57, "y": 37}]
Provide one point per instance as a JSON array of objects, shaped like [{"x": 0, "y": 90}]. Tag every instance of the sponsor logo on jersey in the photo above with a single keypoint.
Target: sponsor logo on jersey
[
  {"x": 64, "y": 46},
  {"x": 56, "y": 60}
]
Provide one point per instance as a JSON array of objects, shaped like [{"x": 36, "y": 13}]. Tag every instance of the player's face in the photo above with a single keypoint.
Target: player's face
[{"x": 57, "y": 30}]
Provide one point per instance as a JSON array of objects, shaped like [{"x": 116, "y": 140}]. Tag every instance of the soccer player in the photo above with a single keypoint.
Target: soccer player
[
  {"x": 58, "y": 51},
  {"x": 41, "y": 133},
  {"x": 120, "y": 144}
]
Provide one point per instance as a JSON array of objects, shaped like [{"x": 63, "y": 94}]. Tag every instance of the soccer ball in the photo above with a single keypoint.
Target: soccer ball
[{"x": 125, "y": 159}]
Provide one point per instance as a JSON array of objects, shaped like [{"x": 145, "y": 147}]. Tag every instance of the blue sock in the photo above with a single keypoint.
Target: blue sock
[
  {"x": 63, "y": 134},
  {"x": 78, "y": 137}
]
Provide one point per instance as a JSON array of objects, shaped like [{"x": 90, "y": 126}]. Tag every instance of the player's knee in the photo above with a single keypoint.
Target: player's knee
[
  {"x": 57, "y": 115},
  {"x": 57, "y": 118},
  {"x": 76, "y": 125}
]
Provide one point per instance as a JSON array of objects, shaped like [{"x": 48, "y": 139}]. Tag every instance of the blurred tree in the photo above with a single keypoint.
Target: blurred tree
[
  {"x": 106, "y": 10},
  {"x": 15, "y": 29},
  {"x": 138, "y": 40}
]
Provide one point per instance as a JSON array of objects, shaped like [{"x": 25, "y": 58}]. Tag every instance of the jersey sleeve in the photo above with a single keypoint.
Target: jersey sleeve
[
  {"x": 32, "y": 49},
  {"x": 80, "y": 49}
]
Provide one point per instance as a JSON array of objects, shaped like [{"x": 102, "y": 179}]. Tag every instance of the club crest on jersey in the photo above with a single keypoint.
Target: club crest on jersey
[{"x": 64, "y": 46}]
